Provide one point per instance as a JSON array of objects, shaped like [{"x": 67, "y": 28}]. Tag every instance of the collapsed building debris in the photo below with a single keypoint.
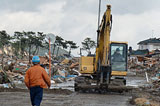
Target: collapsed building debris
[
  {"x": 6, "y": 80},
  {"x": 66, "y": 70},
  {"x": 147, "y": 66},
  {"x": 61, "y": 71}
]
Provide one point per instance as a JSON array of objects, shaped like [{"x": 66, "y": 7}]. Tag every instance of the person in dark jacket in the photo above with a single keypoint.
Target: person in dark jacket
[{"x": 117, "y": 56}]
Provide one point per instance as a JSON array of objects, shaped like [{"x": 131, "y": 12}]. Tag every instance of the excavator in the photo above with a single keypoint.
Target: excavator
[{"x": 108, "y": 65}]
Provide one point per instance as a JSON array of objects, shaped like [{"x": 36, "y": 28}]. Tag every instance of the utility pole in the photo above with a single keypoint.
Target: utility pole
[
  {"x": 99, "y": 13},
  {"x": 50, "y": 57}
]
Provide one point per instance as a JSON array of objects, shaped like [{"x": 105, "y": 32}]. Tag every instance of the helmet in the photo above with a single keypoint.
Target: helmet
[{"x": 35, "y": 59}]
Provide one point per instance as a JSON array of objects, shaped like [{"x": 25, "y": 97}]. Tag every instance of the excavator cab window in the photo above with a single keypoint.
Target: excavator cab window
[{"x": 118, "y": 56}]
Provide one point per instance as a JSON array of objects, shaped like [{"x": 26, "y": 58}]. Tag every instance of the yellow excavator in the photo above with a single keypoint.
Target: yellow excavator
[{"x": 108, "y": 65}]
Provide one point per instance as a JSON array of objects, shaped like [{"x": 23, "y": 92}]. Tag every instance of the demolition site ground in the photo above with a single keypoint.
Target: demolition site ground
[
  {"x": 141, "y": 89},
  {"x": 65, "y": 96}
]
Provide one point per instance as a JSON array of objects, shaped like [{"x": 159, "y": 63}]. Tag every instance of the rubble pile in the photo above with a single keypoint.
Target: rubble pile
[
  {"x": 144, "y": 102},
  {"x": 13, "y": 71},
  {"x": 144, "y": 64},
  {"x": 3, "y": 77},
  {"x": 65, "y": 70},
  {"x": 62, "y": 69},
  {"x": 150, "y": 65},
  {"x": 156, "y": 85}
]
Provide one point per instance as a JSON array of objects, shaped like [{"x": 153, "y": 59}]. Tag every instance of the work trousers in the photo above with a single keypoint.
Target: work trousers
[{"x": 36, "y": 94}]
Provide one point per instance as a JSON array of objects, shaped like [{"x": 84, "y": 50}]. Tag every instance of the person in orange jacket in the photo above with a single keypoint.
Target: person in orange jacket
[{"x": 36, "y": 79}]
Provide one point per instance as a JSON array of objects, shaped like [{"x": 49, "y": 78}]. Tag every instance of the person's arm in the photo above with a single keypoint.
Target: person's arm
[
  {"x": 26, "y": 80},
  {"x": 46, "y": 78}
]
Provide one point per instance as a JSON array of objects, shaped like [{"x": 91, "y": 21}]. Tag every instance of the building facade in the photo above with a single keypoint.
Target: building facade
[{"x": 150, "y": 44}]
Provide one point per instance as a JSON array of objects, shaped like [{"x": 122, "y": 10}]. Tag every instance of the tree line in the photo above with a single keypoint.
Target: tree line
[{"x": 23, "y": 43}]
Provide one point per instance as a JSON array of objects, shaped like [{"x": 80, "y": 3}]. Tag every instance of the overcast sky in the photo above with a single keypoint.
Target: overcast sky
[{"x": 133, "y": 20}]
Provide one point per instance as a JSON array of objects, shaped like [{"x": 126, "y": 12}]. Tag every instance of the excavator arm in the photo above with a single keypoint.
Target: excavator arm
[
  {"x": 103, "y": 40},
  {"x": 102, "y": 60}
]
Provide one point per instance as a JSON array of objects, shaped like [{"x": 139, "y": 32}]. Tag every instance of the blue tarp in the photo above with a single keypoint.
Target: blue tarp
[
  {"x": 68, "y": 76},
  {"x": 59, "y": 76}
]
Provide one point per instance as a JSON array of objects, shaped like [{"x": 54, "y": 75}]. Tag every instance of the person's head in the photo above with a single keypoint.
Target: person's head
[
  {"x": 118, "y": 50},
  {"x": 35, "y": 60}
]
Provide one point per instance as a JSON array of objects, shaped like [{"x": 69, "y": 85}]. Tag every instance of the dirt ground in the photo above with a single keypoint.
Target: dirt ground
[
  {"x": 11, "y": 98},
  {"x": 67, "y": 97}
]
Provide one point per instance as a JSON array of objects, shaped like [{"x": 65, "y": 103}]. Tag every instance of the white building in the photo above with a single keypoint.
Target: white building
[{"x": 150, "y": 44}]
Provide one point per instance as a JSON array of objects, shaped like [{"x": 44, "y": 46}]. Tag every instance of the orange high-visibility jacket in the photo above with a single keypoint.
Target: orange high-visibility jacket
[{"x": 37, "y": 76}]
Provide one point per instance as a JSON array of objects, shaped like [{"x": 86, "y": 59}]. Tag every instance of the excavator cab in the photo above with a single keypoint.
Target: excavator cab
[{"x": 118, "y": 57}]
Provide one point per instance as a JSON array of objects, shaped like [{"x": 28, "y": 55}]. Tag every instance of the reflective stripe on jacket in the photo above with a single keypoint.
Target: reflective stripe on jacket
[{"x": 37, "y": 76}]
